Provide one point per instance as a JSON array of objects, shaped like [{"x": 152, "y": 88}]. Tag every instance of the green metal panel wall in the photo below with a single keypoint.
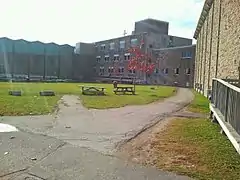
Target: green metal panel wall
[
  {"x": 36, "y": 48},
  {"x": 52, "y": 49},
  {"x": 6, "y": 45},
  {"x": 66, "y": 49},
  {"x": 21, "y": 46}
]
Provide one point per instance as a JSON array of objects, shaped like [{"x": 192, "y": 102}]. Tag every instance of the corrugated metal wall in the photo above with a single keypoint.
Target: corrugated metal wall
[
  {"x": 36, "y": 48},
  {"x": 20, "y": 58}
]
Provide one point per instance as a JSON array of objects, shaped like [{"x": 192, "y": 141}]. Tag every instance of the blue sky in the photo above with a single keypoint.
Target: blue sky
[{"x": 71, "y": 21}]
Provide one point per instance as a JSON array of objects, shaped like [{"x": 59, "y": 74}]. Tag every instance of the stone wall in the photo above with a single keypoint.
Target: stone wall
[{"x": 218, "y": 44}]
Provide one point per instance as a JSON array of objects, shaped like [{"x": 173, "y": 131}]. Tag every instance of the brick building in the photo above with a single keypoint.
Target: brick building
[
  {"x": 217, "y": 49},
  {"x": 175, "y": 66},
  {"x": 112, "y": 55},
  {"x": 105, "y": 60}
]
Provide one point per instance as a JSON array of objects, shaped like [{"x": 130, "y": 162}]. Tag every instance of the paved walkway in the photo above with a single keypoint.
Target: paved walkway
[{"x": 98, "y": 130}]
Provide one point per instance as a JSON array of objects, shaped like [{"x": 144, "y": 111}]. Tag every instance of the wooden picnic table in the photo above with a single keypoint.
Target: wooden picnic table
[
  {"x": 124, "y": 89},
  {"x": 92, "y": 90}
]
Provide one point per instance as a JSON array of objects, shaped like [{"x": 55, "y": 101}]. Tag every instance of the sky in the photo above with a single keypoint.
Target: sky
[{"x": 72, "y": 21}]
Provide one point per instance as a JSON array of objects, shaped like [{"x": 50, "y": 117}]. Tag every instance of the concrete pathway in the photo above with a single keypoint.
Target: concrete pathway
[{"x": 98, "y": 130}]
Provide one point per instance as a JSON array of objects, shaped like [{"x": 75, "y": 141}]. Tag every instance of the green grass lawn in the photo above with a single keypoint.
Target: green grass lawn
[
  {"x": 200, "y": 104},
  {"x": 31, "y": 103},
  {"x": 195, "y": 147}
]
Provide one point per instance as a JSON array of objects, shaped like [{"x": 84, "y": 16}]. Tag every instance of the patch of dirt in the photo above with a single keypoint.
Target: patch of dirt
[
  {"x": 153, "y": 148},
  {"x": 139, "y": 150}
]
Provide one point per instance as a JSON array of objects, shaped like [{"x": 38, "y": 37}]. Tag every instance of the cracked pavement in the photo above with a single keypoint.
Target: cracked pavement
[{"x": 79, "y": 143}]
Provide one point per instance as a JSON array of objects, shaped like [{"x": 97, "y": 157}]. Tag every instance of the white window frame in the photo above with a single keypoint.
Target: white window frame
[
  {"x": 98, "y": 58},
  {"x": 103, "y": 46},
  {"x": 122, "y": 44},
  {"x": 134, "y": 42},
  {"x": 188, "y": 71},
  {"x": 127, "y": 56},
  {"x": 116, "y": 57},
  {"x": 108, "y": 58},
  {"x": 165, "y": 70},
  {"x": 175, "y": 71},
  {"x": 112, "y": 46}
]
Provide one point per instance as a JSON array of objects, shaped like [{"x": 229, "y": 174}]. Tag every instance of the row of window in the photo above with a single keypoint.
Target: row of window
[
  {"x": 122, "y": 44},
  {"x": 121, "y": 70},
  {"x": 187, "y": 54},
  {"x": 116, "y": 57}
]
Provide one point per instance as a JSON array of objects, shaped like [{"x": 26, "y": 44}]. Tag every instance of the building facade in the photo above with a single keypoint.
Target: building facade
[
  {"x": 217, "y": 49},
  {"x": 106, "y": 60},
  {"x": 21, "y": 59},
  {"x": 174, "y": 67},
  {"x": 112, "y": 56}
]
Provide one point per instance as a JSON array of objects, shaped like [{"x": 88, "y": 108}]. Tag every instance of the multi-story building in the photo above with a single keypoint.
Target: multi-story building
[
  {"x": 174, "y": 66},
  {"x": 112, "y": 56},
  {"x": 106, "y": 60},
  {"x": 217, "y": 49}
]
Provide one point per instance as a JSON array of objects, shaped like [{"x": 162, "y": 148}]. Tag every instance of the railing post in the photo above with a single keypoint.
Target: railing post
[
  {"x": 226, "y": 104},
  {"x": 216, "y": 94}
]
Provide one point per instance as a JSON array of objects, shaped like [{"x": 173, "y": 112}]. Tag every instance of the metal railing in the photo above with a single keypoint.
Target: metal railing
[{"x": 226, "y": 98}]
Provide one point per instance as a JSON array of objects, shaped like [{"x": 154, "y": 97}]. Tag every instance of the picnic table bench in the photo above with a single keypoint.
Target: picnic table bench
[
  {"x": 92, "y": 90},
  {"x": 124, "y": 90}
]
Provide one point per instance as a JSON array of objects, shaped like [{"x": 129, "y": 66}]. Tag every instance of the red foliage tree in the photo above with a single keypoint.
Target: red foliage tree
[{"x": 141, "y": 61}]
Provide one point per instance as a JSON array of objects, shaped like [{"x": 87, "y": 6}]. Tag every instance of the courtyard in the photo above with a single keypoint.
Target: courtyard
[{"x": 63, "y": 135}]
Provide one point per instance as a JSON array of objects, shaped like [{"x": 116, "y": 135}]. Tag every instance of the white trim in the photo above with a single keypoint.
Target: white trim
[
  {"x": 228, "y": 84},
  {"x": 232, "y": 135},
  {"x": 127, "y": 54},
  {"x": 116, "y": 55},
  {"x": 98, "y": 57},
  {"x": 106, "y": 56}
]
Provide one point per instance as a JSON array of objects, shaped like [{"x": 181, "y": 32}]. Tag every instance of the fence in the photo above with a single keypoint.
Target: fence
[{"x": 226, "y": 98}]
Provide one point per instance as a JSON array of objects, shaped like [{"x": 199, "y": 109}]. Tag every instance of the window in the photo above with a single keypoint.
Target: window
[
  {"x": 188, "y": 71},
  {"x": 110, "y": 69},
  {"x": 134, "y": 42},
  {"x": 187, "y": 54},
  {"x": 165, "y": 71},
  {"x": 101, "y": 70},
  {"x": 122, "y": 44},
  {"x": 121, "y": 69},
  {"x": 98, "y": 58},
  {"x": 176, "y": 71},
  {"x": 116, "y": 57},
  {"x": 132, "y": 71},
  {"x": 106, "y": 58},
  {"x": 127, "y": 56},
  {"x": 112, "y": 45},
  {"x": 103, "y": 47}
]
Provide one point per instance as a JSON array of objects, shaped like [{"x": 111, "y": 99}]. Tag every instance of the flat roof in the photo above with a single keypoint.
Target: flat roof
[
  {"x": 178, "y": 47},
  {"x": 206, "y": 7},
  {"x": 120, "y": 37},
  {"x": 160, "y": 21}
]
